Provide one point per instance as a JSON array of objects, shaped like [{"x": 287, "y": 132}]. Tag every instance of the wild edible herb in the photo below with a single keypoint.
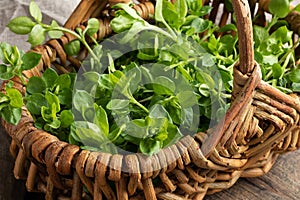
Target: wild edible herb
[
  {"x": 14, "y": 62},
  {"x": 48, "y": 100},
  {"x": 150, "y": 84}
]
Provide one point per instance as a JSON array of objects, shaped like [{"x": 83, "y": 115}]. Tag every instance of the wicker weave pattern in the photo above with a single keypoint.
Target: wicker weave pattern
[{"x": 261, "y": 124}]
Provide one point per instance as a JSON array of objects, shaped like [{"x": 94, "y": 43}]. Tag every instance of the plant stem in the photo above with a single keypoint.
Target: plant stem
[
  {"x": 171, "y": 35},
  {"x": 122, "y": 127},
  {"x": 272, "y": 23},
  {"x": 79, "y": 37},
  {"x": 133, "y": 100},
  {"x": 21, "y": 77}
]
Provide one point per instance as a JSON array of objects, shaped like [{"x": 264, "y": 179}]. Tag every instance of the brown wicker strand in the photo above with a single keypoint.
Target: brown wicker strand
[
  {"x": 19, "y": 167},
  {"x": 77, "y": 187}
]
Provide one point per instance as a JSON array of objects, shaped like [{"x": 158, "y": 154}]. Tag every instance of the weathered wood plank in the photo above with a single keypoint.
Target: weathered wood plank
[{"x": 282, "y": 182}]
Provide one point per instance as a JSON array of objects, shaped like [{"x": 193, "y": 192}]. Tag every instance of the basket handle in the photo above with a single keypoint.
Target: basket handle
[
  {"x": 245, "y": 34},
  {"x": 246, "y": 78},
  {"x": 246, "y": 64}
]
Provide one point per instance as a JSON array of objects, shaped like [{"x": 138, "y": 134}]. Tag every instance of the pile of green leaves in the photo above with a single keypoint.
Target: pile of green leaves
[
  {"x": 48, "y": 99},
  {"x": 150, "y": 84},
  {"x": 167, "y": 86},
  {"x": 14, "y": 62}
]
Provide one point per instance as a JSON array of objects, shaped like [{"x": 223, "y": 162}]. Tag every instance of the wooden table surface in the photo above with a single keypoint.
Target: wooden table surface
[{"x": 282, "y": 182}]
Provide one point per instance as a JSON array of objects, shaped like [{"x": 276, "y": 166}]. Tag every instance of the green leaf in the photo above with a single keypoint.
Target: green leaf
[
  {"x": 121, "y": 23},
  {"x": 150, "y": 146},
  {"x": 171, "y": 14},
  {"x": 72, "y": 48},
  {"x": 37, "y": 35},
  {"x": 158, "y": 111},
  {"x": 136, "y": 128},
  {"x": 280, "y": 8},
  {"x": 294, "y": 76},
  {"x": 35, "y": 11},
  {"x": 5, "y": 51},
  {"x": 228, "y": 5},
  {"x": 136, "y": 28},
  {"x": 3, "y": 98},
  {"x": 15, "y": 56},
  {"x": 55, "y": 34},
  {"x": 296, "y": 87},
  {"x": 4, "y": 104},
  {"x": 92, "y": 27},
  {"x": 106, "y": 81},
  {"x": 228, "y": 46},
  {"x": 118, "y": 104},
  {"x": 65, "y": 96},
  {"x": 188, "y": 119},
  {"x": 208, "y": 80},
  {"x": 9, "y": 54},
  {"x": 204, "y": 10},
  {"x": 260, "y": 35},
  {"x": 16, "y": 99},
  {"x": 30, "y": 60},
  {"x": 101, "y": 119},
  {"x": 180, "y": 50},
  {"x": 163, "y": 86},
  {"x": 11, "y": 115},
  {"x": 92, "y": 76},
  {"x": 87, "y": 133},
  {"x": 277, "y": 71},
  {"x": 133, "y": 76},
  {"x": 35, "y": 85},
  {"x": 49, "y": 77},
  {"x": 55, "y": 124},
  {"x": 159, "y": 12},
  {"x": 130, "y": 11},
  {"x": 52, "y": 100},
  {"x": 174, "y": 135},
  {"x": 187, "y": 99},
  {"x": 161, "y": 136},
  {"x": 194, "y": 6},
  {"x": 204, "y": 90},
  {"x": 282, "y": 34},
  {"x": 64, "y": 81},
  {"x": 21, "y": 25},
  {"x": 35, "y": 102},
  {"x": 208, "y": 60},
  {"x": 46, "y": 114},
  {"x": 66, "y": 118},
  {"x": 156, "y": 125},
  {"x": 6, "y": 73},
  {"x": 270, "y": 59},
  {"x": 82, "y": 100},
  {"x": 200, "y": 25},
  {"x": 181, "y": 9}
]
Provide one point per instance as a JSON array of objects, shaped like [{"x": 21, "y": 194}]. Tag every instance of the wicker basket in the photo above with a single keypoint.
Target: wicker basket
[{"x": 261, "y": 124}]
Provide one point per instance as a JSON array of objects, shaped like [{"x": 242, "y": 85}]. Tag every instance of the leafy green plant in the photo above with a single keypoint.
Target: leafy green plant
[
  {"x": 11, "y": 105},
  {"x": 48, "y": 100},
  {"x": 14, "y": 63},
  {"x": 37, "y": 30},
  {"x": 171, "y": 80}
]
